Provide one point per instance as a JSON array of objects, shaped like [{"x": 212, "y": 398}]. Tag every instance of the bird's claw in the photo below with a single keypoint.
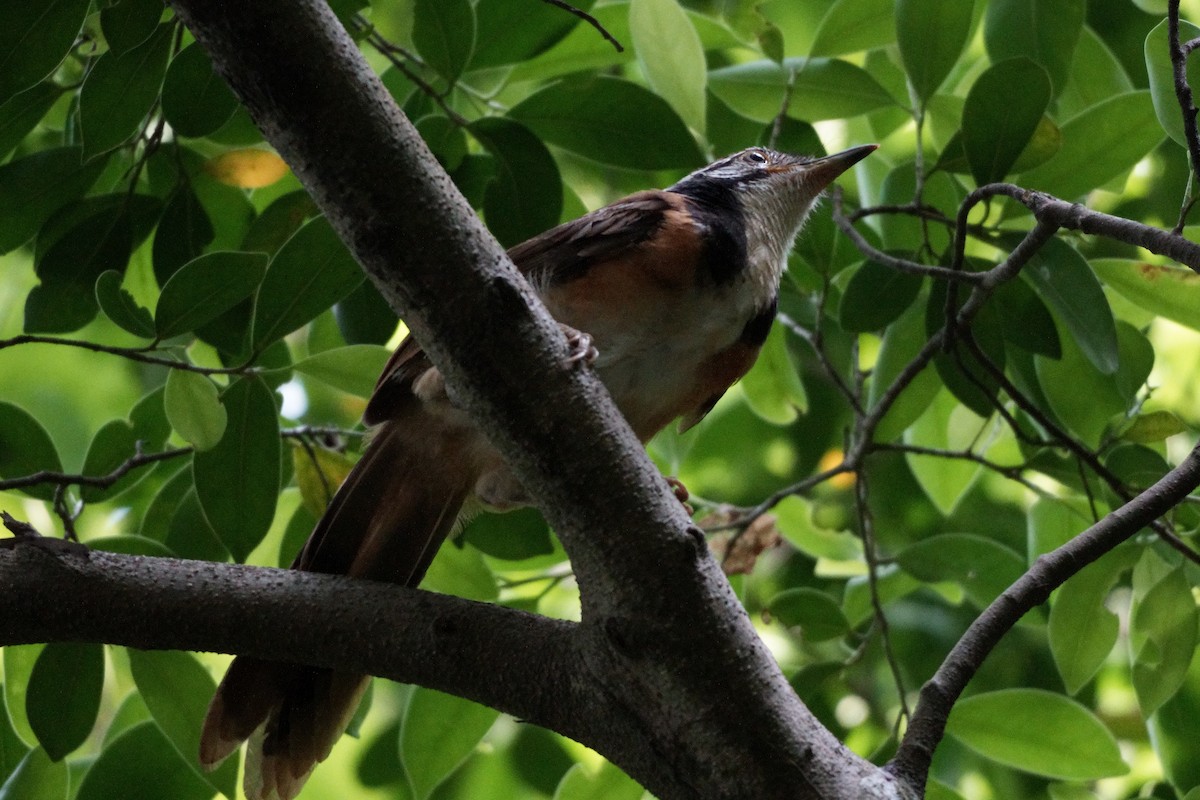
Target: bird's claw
[
  {"x": 681, "y": 494},
  {"x": 580, "y": 349}
]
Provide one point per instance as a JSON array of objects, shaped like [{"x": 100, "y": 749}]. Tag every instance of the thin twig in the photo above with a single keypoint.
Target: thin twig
[
  {"x": 866, "y": 530},
  {"x": 399, "y": 58},
  {"x": 138, "y": 354},
  {"x": 62, "y": 479},
  {"x": 777, "y": 124},
  {"x": 589, "y": 19}
]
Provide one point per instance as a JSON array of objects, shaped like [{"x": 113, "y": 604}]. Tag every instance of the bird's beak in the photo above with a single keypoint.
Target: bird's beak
[{"x": 822, "y": 171}]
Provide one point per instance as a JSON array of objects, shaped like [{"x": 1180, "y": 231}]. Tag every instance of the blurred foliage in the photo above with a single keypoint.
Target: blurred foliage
[{"x": 142, "y": 212}]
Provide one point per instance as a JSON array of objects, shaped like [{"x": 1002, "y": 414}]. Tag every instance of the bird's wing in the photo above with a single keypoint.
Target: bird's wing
[
  {"x": 565, "y": 253},
  {"x": 558, "y": 256}
]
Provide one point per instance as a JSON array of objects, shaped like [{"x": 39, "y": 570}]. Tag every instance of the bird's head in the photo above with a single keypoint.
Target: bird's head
[
  {"x": 767, "y": 183},
  {"x": 771, "y": 192}
]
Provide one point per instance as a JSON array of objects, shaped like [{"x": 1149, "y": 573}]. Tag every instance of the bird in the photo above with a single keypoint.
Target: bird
[{"x": 667, "y": 294}]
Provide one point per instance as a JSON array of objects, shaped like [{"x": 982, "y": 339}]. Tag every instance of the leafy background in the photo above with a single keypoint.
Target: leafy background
[{"x": 231, "y": 342}]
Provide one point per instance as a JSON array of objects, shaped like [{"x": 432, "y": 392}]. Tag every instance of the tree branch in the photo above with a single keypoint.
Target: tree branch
[
  {"x": 1183, "y": 90},
  {"x": 1050, "y": 571},
  {"x": 455, "y": 645},
  {"x": 652, "y": 595}
]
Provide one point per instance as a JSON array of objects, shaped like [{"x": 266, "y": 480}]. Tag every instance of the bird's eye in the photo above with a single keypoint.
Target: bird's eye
[{"x": 756, "y": 157}]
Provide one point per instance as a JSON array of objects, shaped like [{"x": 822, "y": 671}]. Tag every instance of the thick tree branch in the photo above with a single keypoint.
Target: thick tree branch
[
  {"x": 451, "y": 644},
  {"x": 1050, "y": 571},
  {"x": 721, "y": 724}
]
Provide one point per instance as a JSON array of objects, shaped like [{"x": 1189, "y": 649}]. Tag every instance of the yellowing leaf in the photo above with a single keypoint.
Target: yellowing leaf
[
  {"x": 319, "y": 473},
  {"x": 249, "y": 168}
]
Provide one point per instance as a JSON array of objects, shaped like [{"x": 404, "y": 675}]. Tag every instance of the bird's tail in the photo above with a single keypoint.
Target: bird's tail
[{"x": 385, "y": 523}]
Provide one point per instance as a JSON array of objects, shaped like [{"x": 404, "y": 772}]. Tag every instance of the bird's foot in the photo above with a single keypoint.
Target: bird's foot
[
  {"x": 681, "y": 493},
  {"x": 580, "y": 349}
]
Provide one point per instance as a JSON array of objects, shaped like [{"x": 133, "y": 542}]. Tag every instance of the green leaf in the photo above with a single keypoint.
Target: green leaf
[
  {"x": 444, "y": 34},
  {"x": 983, "y": 567},
  {"x": 1074, "y": 745},
  {"x": 1024, "y": 319},
  {"x": 113, "y": 445},
  {"x": 63, "y": 695},
  {"x": 525, "y": 196},
  {"x": 119, "y": 306},
  {"x": 512, "y": 536},
  {"x": 130, "y": 545},
  {"x": 310, "y": 273},
  {"x": 1045, "y": 31},
  {"x": 1172, "y": 732},
  {"x": 34, "y": 187},
  {"x": 1171, "y": 292},
  {"x": 581, "y": 49},
  {"x": 605, "y": 782},
  {"x": 609, "y": 120},
  {"x": 945, "y": 425},
  {"x": 510, "y": 34},
  {"x": 23, "y": 112},
  {"x": 1051, "y": 524},
  {"x": 901, "y": 342},
  {"x": 931, "y": 35},
  {"x": 271, "y": 229},
  {"x": 34, "y": 38},
  {"x": 904, "y": 234},
  {"x": 462, "y": 572},
  {"x": 445, "y": 138},
  {"x": 364, "y": 317},
  {"x": 196, "y": 101},
  {"x": 120, "y": 90},
  {"x": 177, "y": 689},
  {"x": 37, "y": 778},
  {"x": 19, "y": 661},
  {"x": 671, "y": 56},
  {"x": 1096, "y": 73},
  {"x": 354, "y": 368},
  {"x": 25, "y": 449},
  {"x": 58, "y": 308},
  {"x": 1162, "y": 76},
  {"x": 141, "y": 764},
  {"x": 438, "y": 734},
  {"x": 1084, "y": 399},
  {"x": 12, "y": 750},
  {"x": 823, "y": 88},
  {"x": 1062, "y": 278},
  {"x": 1081, "y": 629},
  {"x": 875, "y": 297},
  {"x": 891, "y": 584},
  {"x": 1000, "y": 115},
  {"x": 814, "y": 612},
  {"x": 1099, "y": 144},
  {"x": 851, "y": 26},
  {"x": 183, "y": 232},
  {"x": 936, "y": 790},
  {"x": 772, "y": 387},
  {"x": 128, "y": 23},
  {"x": 1162, "y": 638},
  {"x": 1153, "y": 427},
  {"x": 205, "y": 288},
  {"x": 237, "y": 480},
  {"x": 961, "y": 370},
  {"x": 194, "y": 409},
  {"x": 75, "y": 260},
  {"x": 796, "y": 520}
]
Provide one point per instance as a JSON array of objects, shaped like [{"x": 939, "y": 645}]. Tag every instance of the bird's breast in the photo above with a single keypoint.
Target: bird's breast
[{"x": 666, "y": 345}]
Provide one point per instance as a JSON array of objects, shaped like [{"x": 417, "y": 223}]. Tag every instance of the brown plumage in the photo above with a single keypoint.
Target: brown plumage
[{"x": 677, "y": 289}]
